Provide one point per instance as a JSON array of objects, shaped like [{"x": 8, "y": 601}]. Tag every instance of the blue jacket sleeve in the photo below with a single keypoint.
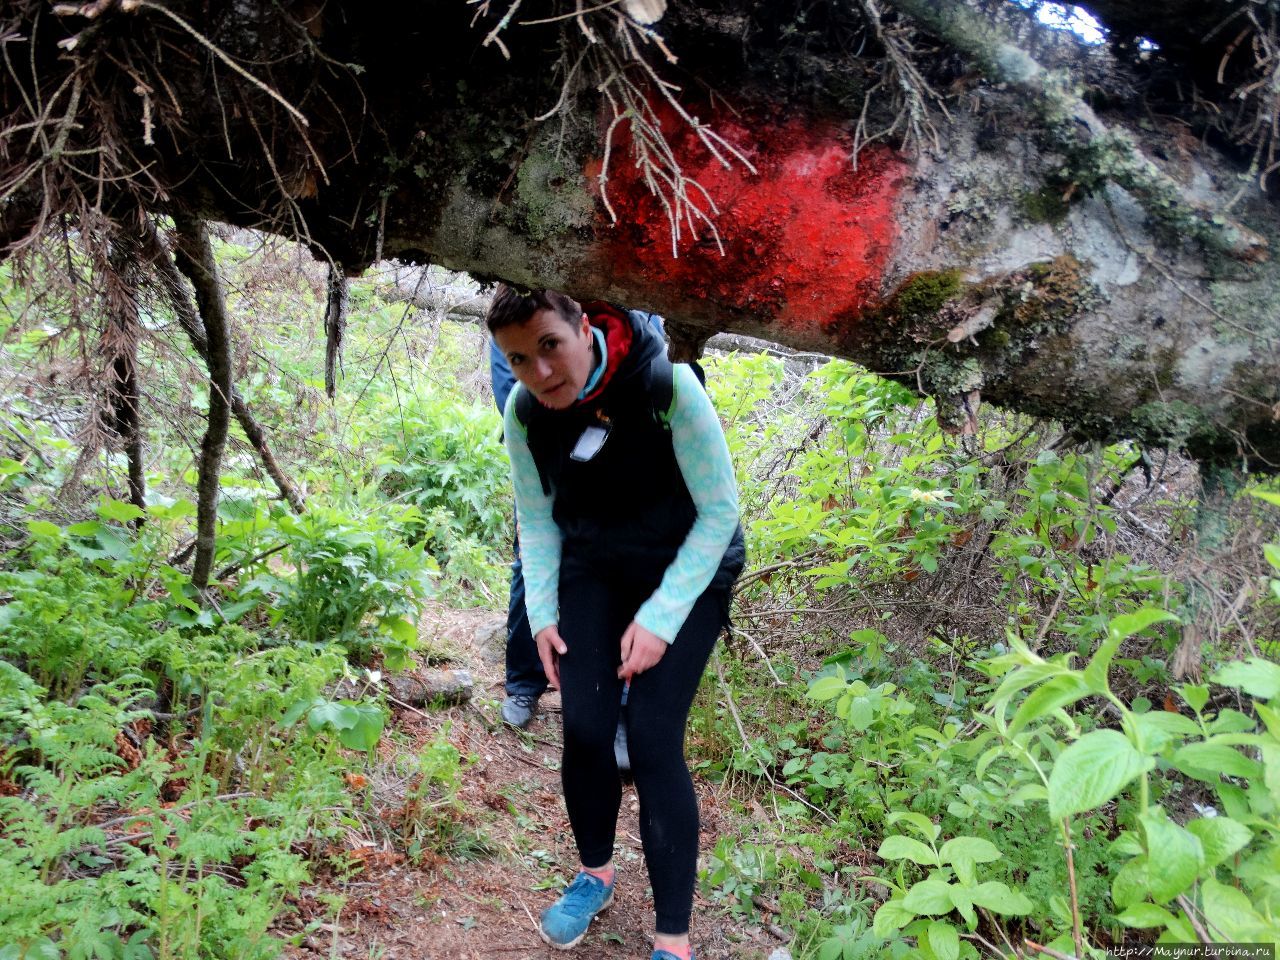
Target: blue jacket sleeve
[
  {"x": 500, "y": 376},
  {"x": 539, "y": 535},
  {"x": 703, "y": 456}
]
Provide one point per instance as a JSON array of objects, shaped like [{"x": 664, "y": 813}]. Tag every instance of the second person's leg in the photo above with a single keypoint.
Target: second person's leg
[{"x": 526, "y": 681}]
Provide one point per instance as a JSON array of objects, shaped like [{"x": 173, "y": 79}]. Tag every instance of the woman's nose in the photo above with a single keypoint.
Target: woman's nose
[{"x": 542, "y": 369}]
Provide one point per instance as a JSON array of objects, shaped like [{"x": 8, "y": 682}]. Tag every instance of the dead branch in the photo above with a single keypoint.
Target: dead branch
[{"x": 156, "y": 253}]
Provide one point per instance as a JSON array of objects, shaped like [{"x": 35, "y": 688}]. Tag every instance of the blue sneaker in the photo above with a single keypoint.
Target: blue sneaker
[
  {"x": 668, "y": 955},
  {"x": 565, "y": 922}
]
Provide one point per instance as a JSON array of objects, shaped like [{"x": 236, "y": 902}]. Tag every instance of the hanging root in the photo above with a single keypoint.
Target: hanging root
[{"x": 609, "y": 49}]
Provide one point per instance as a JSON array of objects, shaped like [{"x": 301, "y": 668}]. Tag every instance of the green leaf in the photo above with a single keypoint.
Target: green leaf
[
  {"x": 826, "y": 688},
  {"x": 1206, "y": 760},
  {"x": 890, "y": 918},
  {"x": 962, "y": 900},
  {"x": 964, "y": 852},
  {"x": 998, "y": 898},
  {"x": 1174, "y": 855},
  {"x": 1058, "y": 692},
  {"x": 119, "y": 511},
  {"x": 43, "y": 529},
  {"x": 944, "y": 941},
  {"x": 1271, "y": 770},
  {"x": 861, "y": 713},
  {"x": 1118, "y": 630},
  {"x": 929, "y": 897},
  {"x": 1255, "y": 676},
  {"x": 1130, "y": 883},
  {"x": 916, "y": 821},
  {"x": 898, "y": 847},
  {"x": 295, "y": 712},
  {"x": 332, "y": 713},
  {"x": 1092, "y": 771},
  {"x": 231, "y": 612},
  {"x": 1158, "y": 728},
  {"x": 1270, "y": 718},
  {"x": 41, "y": 948},
  {"x": 1126, "y": 625},
  {"x": 366, "y": 731},
  {"x": 172, "y": 511},
  {"x": 1141, "y": 916},
  {"x": 1230, "y": 721},
  {"x": 1272, "y": 498},
  {"x": 1220, "y": 838},
  {"x": 1229, "y": 912},
  {"x": 401, "y": 630},
  {"x": 1272, "y": 552},
  {"x": 1195, "y": 695}
]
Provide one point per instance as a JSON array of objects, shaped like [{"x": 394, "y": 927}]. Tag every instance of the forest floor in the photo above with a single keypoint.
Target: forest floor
[{"x": 510, "y": 848}]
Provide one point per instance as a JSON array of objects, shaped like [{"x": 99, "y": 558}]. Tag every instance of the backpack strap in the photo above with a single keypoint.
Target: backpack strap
[
  {"x": 524, "y": 406},
  {"x": 661, "y": 383},
  {"x": 660, "y": 387},
  {"x": 525, "y": 411}
]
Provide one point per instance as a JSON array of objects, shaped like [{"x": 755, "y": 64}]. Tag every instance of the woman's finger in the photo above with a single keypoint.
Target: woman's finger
[
  {"x": 550, "y": 665},
  {"x": 628, "y": 643},
  {"x": 646, "y": 650},
  {"x": 550, "y": 647}
]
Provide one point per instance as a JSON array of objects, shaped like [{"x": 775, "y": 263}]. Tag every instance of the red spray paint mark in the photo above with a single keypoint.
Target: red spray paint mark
[{"x": 806, "y": 239}]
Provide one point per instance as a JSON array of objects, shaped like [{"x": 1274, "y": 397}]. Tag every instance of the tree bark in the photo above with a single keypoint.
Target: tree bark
[
  {"x": 335, "y": 328},
  {"x": 122, "y": 384},
  {"x": 194, "y": 255}
]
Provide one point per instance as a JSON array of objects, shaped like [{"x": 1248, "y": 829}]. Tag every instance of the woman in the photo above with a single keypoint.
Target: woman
[{"x": 629, "y": 529}]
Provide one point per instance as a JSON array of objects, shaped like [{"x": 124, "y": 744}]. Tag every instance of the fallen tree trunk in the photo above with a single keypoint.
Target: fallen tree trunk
[
  {"x": 417, "y": 688},
  {"x": 1076, "y": 259}
]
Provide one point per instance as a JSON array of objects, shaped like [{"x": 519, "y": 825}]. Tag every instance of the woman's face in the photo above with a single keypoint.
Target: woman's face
[{"x": 549, "y": 355}]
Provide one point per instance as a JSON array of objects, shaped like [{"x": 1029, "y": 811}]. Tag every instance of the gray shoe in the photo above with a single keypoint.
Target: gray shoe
[
  {"x": 518, "y": 708},
  {"x": 620, "y": 753}
]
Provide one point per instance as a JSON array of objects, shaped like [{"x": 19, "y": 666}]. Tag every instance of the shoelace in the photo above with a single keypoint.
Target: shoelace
[{"x": 580, "y": 894}]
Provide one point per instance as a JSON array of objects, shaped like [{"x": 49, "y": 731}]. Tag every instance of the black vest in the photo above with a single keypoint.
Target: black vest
[{"x": 626, "y": 510}]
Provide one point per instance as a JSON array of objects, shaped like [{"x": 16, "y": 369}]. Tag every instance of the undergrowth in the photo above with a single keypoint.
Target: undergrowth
[{"x": 987, "y": 695}]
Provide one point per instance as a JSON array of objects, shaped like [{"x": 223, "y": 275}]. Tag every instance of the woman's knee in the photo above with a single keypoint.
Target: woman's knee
[
  {"x": 585, "y": 730},
  {"x": 656, "y": 747}
]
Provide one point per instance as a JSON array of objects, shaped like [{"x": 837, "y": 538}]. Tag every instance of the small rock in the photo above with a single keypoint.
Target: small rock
[
  {"x": 782, "y": 953},
  {"x": 490, "y": 640}
]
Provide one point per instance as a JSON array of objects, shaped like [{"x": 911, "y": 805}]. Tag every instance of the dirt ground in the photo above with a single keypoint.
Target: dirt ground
[{"x": 513, "y": 850}]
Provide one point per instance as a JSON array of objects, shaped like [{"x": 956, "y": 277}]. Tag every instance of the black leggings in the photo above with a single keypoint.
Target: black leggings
[{"x": 593, "y": 615}]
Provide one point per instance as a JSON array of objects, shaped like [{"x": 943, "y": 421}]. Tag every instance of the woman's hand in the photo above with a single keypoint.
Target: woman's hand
[
  {"x": 640, "y": 651},
  {"x": 550, "y": 649}
]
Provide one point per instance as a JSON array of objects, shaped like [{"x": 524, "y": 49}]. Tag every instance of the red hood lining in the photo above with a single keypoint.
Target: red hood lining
[{"x": 618, "y": 338}]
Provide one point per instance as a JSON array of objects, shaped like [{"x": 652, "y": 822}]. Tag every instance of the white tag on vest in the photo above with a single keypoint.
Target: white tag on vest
[{"x": 589, "y": 443}]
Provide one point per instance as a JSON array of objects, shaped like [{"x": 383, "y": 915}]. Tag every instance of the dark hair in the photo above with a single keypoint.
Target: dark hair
[{"x": 514, "y": 305}]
